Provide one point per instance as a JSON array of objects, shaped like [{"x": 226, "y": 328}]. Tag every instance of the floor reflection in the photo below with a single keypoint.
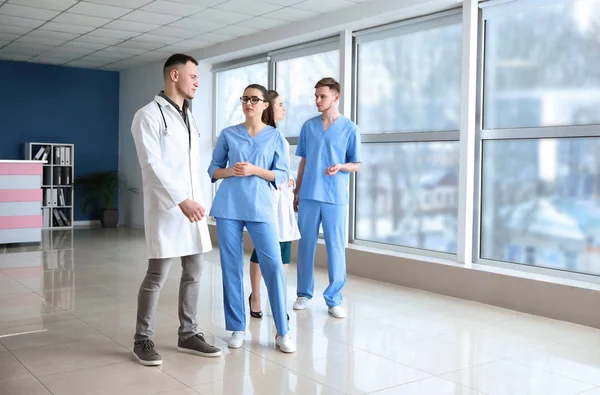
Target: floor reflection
[{"x": 67, "y": 319}]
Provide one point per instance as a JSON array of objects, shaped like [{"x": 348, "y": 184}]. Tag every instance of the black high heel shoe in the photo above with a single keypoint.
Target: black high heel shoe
[{"x": 255, "y": 314}]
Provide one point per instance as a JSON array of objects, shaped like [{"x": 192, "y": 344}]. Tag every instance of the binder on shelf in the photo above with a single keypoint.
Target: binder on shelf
[
  {"x": 61, "y": 197},
  {"x": 57, "y": 176},
  {"x": 57, "y": 218},
  {"x": 64, "y": 218},
  {"x": 39, "y": 154},
  {"x": 48, "y": 200},
  {"x": 57, "y": 156},
  {"x": 46, "y": 153}
]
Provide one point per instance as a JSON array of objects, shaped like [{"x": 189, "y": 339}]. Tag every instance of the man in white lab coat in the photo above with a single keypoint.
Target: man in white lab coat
[{"x": 166, "y": 140}]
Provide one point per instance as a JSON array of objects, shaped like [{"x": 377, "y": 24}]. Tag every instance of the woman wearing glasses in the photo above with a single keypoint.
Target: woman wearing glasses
[
  {"x": 250, "y": 158},
  {"x": 285, "y": 218}
]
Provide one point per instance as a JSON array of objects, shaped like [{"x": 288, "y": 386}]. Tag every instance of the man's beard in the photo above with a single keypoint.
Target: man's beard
[{"x": 325, "y": 109}]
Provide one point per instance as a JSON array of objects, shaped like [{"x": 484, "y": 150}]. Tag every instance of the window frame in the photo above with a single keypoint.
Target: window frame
[
  {"x": 490, "y": 10},
  {"x": 306, "y": 49},
  {"x": 215, "y": 80},
  {"x": 216, "y": 69},
  {"x": 472, "y": 14},
  {"x": 424, "y": 23},
  {"x": 299, "y": 51}
]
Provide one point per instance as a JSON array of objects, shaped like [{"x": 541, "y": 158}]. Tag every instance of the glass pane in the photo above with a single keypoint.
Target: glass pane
[
  {"x": 541, "y": 66},
  {"x": 294, "y": 161},
  {"x": 230, "y": 86},
  {"x": 541, "y": 203},
  {"x": 410, "y": 83},
  {"x": 407, "y": 195},
  {"x": 295, "y": 82}
]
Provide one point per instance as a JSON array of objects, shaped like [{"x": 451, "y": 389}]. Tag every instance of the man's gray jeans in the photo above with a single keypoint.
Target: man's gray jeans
[{"x": 158, "y": 270}]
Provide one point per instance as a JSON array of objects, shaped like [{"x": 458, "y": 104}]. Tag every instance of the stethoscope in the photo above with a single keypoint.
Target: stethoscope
[{"x": 166, "y": 131}]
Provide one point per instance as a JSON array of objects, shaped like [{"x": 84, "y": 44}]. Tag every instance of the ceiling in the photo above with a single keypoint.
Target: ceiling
[{"x": 120, "y": 34}]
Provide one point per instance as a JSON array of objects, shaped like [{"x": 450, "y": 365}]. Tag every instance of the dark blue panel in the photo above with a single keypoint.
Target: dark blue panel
[{"x": 54, "y": 104}]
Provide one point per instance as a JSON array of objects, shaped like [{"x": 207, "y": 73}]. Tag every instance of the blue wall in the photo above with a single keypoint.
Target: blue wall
[{"x": 54, "y": 104}]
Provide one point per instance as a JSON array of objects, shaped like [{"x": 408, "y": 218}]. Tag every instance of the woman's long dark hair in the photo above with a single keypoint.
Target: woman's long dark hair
[
  {"x": 271, "y": 96},
  {"x": 268, "y": 116}
]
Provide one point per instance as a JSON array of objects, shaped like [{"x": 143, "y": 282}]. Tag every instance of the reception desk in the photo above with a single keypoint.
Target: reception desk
[{"x": 20, "y": 201}]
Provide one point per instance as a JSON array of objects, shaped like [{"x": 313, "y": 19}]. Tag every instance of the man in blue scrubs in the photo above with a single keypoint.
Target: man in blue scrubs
[{"x": 329, "y": 146}]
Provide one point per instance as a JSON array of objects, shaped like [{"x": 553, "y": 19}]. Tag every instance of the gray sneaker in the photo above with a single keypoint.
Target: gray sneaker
[
  {"x": 143, "y": 351},
  {"x": 197, "y": 345}
]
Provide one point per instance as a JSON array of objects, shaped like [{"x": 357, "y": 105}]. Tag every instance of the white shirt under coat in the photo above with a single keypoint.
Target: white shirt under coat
[
  {"x": 171, "y": 173},
  {"x": 285, "y": 216}
]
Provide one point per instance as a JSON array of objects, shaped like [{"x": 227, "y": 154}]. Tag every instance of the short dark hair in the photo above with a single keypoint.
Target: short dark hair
[
  {"x": 331, "y": 83},
  {"x": 177, "y": 59}
]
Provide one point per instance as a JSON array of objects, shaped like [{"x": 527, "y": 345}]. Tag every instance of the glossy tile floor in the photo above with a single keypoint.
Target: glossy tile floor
[{"x": 67, "y": 315}]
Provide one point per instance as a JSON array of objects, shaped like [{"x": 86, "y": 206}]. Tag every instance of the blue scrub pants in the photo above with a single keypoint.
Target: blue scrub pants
[
  {"x": 231, "y": 250},
  {"x": 311, "y": 214}
]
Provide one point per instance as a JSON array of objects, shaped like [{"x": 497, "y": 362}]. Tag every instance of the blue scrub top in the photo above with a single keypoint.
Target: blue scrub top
[
  {"x": 340, "y": 144},
  {"x": 248, "y": 198}
]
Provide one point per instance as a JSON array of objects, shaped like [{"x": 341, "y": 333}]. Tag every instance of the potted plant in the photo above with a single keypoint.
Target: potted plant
[{"x": 101, "y": 187}]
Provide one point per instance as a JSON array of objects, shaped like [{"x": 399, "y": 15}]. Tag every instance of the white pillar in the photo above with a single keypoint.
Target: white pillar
[
  {"x": 466, "y": 182},
  {"x": 345, "y": 80}
]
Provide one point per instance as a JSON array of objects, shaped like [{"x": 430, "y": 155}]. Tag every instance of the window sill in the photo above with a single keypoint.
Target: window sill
[
  {"x": 551, "y": 276},
  {"x": 578, "y": 280}
]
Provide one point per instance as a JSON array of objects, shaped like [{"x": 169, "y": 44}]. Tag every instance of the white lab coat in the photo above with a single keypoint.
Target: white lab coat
[
  {"x": 171, "y": 173},
  {"x": 285, "y": 216}
]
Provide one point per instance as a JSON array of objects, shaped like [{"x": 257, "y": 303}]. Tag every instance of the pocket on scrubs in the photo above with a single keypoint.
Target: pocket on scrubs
[{"x": 336, "y": 148}]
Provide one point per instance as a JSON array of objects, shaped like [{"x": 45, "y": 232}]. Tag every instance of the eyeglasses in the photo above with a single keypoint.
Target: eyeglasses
[{"x": 253, "y": 99}]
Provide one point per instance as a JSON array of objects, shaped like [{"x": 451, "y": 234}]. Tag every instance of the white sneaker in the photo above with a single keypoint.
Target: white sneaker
[
  {"x": 337, "y": 312},
  {"x": 237, "y": 339},
  {"x": 301, "y": 303},
  {"x": 285, "y": 344}
]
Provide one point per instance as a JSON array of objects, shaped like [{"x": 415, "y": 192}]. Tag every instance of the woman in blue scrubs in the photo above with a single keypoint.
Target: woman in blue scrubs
[
  {"x": 250, "y": 158},
  {"x": 285, "y": 218}
]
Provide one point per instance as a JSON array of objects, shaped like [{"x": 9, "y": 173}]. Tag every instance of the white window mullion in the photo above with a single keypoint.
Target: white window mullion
[{"x": 466, "y": 182}]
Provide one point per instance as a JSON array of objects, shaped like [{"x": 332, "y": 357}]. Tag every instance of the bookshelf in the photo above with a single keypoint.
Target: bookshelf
[{"x": 57, "y": 182}]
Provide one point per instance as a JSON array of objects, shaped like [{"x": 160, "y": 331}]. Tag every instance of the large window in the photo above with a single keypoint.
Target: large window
[
  {"x": 541, "y": 65},
  {"x": 296, "y": 73},
  {"x": 295, "y": 81},
  {"x": 409, "y": 81},
  {"x": 407, "y": 195},
  {"x": 541, "y": 203},
  {"x": 230, "y": 86},
  {"x": 540, "y": 194},
  {"x": 535, "y": 129}
]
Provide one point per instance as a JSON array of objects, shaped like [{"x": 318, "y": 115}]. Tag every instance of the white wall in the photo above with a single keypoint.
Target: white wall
[{"x": 138, "y": 87}]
